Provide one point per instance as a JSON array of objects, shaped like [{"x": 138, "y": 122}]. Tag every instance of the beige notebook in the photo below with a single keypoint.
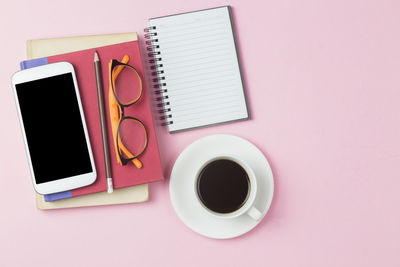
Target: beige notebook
[{"x": 48, "y": 47}]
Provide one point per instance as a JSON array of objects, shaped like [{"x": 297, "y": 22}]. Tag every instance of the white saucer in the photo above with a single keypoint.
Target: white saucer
[{"x": 183, "y": 174}]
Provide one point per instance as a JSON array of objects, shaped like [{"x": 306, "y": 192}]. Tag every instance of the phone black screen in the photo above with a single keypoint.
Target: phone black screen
[{"x": 53, "y": 128}]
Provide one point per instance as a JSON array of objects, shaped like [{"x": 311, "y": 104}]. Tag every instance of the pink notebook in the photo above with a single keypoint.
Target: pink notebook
[{"x": 123, "y": 176}]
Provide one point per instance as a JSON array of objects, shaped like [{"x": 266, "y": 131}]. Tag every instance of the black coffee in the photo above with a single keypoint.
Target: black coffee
[{"x": 223, "y": 186}]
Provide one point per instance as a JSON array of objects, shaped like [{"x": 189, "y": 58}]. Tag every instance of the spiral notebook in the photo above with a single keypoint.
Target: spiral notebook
[{"x": 196, "y": 66}]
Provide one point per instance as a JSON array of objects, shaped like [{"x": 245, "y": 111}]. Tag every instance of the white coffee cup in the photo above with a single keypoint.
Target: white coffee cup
[{"x": 248, "y": 206}]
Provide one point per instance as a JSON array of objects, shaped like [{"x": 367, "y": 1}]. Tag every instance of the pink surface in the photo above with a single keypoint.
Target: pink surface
[
  {"x": 84, "y": 68},
  {"x": 324, "y": 90}
]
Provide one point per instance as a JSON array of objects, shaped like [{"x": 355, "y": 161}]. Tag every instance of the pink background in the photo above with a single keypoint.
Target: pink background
[{"x": 323, "y": 80}]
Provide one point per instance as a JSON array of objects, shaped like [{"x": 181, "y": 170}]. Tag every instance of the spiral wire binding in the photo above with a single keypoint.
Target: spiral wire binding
[{"x": 157, "y": 72}]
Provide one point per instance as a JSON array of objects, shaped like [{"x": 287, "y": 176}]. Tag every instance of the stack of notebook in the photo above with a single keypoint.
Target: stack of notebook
[
  {"x": 41, "y": 50},
  {"x": 196, "y": 81}
]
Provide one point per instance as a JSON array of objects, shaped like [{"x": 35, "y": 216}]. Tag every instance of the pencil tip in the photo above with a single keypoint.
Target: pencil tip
[{"x": 96, "y": 56}]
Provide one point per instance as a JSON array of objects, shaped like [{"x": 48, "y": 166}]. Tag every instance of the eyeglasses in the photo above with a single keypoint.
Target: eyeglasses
[{"x": 129, "y": 133}]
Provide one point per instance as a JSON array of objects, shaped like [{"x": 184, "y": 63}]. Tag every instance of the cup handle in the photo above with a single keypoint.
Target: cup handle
[{"x": 254, "y": 213}]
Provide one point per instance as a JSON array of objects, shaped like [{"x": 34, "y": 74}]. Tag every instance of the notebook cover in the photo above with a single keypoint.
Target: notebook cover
[
  {"x": 229, "y": 9},
  {"x": 49, "y": 47},
  {"x": 131, "y": 194},
  {"x": 123, "y": 175}
]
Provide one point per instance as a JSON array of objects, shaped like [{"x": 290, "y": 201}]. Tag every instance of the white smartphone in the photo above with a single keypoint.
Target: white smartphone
[{"x": 54, "y": 128}]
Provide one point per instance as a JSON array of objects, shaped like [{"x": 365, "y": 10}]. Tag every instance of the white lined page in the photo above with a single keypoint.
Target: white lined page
[{"x": 201, "y": 68}]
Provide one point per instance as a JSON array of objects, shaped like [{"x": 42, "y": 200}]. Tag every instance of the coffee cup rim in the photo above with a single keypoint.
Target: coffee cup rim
[{"x": 252, "y": 188}]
